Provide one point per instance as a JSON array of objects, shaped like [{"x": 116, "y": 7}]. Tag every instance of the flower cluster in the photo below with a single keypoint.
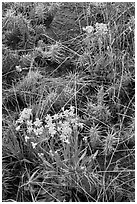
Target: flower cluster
[
  {"x": 99, "y": 4},
  {"x": 25, "y": 115},
  {"x": 50, "y": 125},
  {"x": 62, "y": 124},
  {"x": 101, "y": 28},
  {"x": 88, "y": 29},
  {"x": 18, "y": 68},
  {"x": 35, "y": 127},
  {"x": 53, "y": 52}
]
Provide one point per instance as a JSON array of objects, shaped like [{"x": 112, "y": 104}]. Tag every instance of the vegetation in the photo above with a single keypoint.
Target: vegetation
[{"x": 68, "y": 82}]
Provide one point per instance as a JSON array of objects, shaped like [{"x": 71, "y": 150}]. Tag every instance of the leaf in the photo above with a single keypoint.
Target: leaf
[
  {"x": 95, "y": 154},
  {"x": 76, "y": 158},
  {"x": 59, "y": 162},
  {"x": 32, "y": 176},
  {"x": 46, "y": 163},
  {"x": 27, "y": 161},
  {"x": 83, "y": 155},
  {"x": 89, "y": 160}
]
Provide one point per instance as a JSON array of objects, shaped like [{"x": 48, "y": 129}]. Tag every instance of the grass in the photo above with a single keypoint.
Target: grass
[{"x": 68, "y": 102}]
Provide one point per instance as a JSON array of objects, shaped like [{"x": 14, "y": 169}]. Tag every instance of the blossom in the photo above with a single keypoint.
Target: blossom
[
  {"x": 29, "y": 122},
  {"x": 50, "y": 125},
  {"x": 88, "y": 29},
  {"x": 64, "y": 138},
  {"x": 25, "y": 114},
  {"x": 62, "y": 109},
  {"x": 99, "y": 4},
  {"x": 66, "y": 129},
  {"x": 33, "y": 145},
  {"x": 29, "y": 129},
  {"x": 29, "y": 126},
  {"x": 17, "y": 128},
  {"x": 55, "y": 117},
  {"x": 26, "y": 138},
  {"x": 37, "y": 122},
  {"x": 73, "y": 120},
  {"x": 48, "y": 118},
  {"x": 70, "y": 112},
  {"x": 101, "y": 28},
  {"x": 72, "y": 109},
  {"x": 20, "y": 120},
  {"x": 52, "y": 129},
  {"x": 18, "y": 68},
  {"x": 61, "y": 115},
  {"x": 67, "y": 141},
  {"x": 62, "y": 124},
  {"x": 82, "y": 167},
  {"x": 81, "y": 125},
  {"x": 38, "y": 131},
  {"x": 66, "y": 113},
  {"x": 85, "y": 139},
  {"x": 40, "y": 154}
]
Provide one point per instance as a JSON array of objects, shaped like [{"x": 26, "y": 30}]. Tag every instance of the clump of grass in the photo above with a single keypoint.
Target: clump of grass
[
  {"x": 16, "y": 156},
  {"x": 9, "y": 61},
  {"x": 95, "y": 136},
  {"x": 96, "y": 109},
  {"x": 64, "y": 158},
  {"x": 16, "y": 30}
]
